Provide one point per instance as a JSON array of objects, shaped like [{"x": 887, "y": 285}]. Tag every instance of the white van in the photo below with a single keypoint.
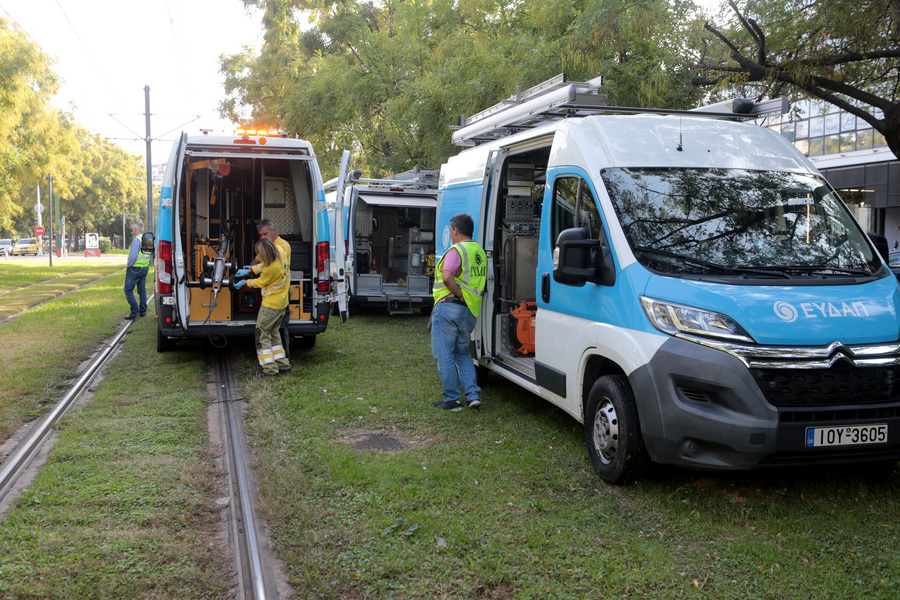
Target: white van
[
  {"x": 687, "y": 285},
  {"x": 216, "y": 189},
  {"x": 389, "y": 227}
]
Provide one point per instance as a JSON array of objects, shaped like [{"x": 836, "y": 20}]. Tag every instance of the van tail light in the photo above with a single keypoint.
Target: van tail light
[
  {"x": 164, "y": 268},
  {"x": 322, "y": 266}
]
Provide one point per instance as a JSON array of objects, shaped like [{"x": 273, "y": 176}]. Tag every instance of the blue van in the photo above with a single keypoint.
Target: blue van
[
  {"x": 216, "y": 189},
  {"x": 687, "y": 285}
]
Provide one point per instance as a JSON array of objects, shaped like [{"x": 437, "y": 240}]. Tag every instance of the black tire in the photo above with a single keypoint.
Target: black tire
[
  {"x": 163, "y": 343},
  {"x": 612, "y": 431},
  {"x": 305, "y": 342}
]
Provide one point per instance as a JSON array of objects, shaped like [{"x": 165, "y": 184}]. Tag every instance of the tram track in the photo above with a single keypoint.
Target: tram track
[
  {"x": 21, "y": 456},
  {"x": 258, "y": 574},
  {"x": 256, "y": 571}
]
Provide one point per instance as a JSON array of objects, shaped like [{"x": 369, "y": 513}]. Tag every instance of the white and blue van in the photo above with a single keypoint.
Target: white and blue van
[
  {"x": 686, "y": 285},
  {"x": 216, "y": 189},
  {"x": 388, "y": 225}
]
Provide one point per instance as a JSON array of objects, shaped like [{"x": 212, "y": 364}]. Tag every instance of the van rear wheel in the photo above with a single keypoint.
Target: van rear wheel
[
  {"x": 612, "y": 431},
  {"x": 163, "y": 343},
  {"x": 305, "y": 342}
]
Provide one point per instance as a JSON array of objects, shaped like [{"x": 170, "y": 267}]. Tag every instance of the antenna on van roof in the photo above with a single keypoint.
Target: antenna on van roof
[{"x": 558, "y": 98}]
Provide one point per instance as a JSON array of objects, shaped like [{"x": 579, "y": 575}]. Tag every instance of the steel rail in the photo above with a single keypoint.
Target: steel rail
[
  {"x": 21, "y": 456},
  {"x": 248, "y": 542}
]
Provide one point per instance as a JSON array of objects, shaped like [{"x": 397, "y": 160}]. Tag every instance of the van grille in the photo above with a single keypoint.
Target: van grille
[{"x": 840, "y": 384}]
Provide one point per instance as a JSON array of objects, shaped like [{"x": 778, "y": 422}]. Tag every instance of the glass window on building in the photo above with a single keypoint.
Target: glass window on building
[
  {"x": 816, "y": 126},
  {"x": 802, "y": 129},
  {"x": 832, "y": 144},
  {"x": 787, "y": 130},
  {"x": 832, "y": 123},
  {"x": 802, "y": 146},
  {"x": 864, "y": 139},
  {"x": 848, "y": 122},
  {"x": 879, "y": 141},
  {"x": 848, "y": 142},
  {"x": 816, "y": 146}
]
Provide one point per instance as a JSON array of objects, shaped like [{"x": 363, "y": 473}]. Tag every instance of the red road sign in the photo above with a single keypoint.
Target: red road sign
[{"x": 38, "y": 230}]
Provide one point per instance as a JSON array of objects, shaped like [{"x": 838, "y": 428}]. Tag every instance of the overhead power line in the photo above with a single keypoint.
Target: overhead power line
[{"x": 91, "y": 56}]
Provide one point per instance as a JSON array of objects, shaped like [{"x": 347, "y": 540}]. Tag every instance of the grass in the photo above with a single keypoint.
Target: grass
[
  {"x": 41, "y": 348},
  {"x": 20, "y": 274},
  {"x": 125, "y": 506},
  {"x": 21, "y": 298},
  {"x": 501, "y": 503}
]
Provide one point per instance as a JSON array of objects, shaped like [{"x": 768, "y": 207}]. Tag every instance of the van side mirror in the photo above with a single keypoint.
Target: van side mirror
[
  {"x": 147, "y": 243},
  {"x": 881, "y": 245},
  {"x": 578, "y": 259}
]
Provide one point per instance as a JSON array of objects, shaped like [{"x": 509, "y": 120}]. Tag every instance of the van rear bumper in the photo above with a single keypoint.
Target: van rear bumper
[
  {"x": 702, "y": 408},
  {"x": 169, "y": 327}
]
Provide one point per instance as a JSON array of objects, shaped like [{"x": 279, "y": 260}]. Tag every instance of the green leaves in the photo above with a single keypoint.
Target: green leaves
[
  {"x": 388, "y": 80},
  {"x": 95, "y": 180}
]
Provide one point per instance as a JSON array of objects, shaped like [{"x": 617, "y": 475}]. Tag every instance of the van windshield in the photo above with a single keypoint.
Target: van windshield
[{"x": 738, "y": 223}]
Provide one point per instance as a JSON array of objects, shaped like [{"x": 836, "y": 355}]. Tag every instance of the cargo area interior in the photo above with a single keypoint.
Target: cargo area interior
[
  {"x": 518, "y": 203},
  {"x": 227, "y": 198},
  {"x": 394, "y": 245}
]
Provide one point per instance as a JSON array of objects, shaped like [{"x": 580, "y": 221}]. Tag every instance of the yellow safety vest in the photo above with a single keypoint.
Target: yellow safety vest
[
  {"x": 142, "y": 259},
  {"x": 472, "y": 278}
]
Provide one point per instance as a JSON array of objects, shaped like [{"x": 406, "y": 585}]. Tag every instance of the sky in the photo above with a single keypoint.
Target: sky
[{"x": 107, "y": 51}]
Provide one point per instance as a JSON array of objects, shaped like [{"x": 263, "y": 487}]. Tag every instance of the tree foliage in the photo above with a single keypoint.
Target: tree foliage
[
  {"x": 846, "y": 52},
  {"x": 388, "y": 79},
  {"x": 95, "y": 181}
]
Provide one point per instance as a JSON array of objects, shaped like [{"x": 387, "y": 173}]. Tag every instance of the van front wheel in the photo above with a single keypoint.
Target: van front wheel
[{"x": 612, "y": 431}]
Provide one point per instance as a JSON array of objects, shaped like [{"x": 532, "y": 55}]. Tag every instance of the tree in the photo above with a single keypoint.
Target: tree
[
  {"x": 843, "y": 52},
  {"x": 388, "y": 79},
  {"x": 26, "y": 83},
  {"x": 94, "y": 180}
]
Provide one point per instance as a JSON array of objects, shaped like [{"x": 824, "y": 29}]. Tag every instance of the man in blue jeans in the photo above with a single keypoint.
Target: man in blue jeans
[
  {"x": 457, "y": 302},
  {"x": 136, "y": 273}
]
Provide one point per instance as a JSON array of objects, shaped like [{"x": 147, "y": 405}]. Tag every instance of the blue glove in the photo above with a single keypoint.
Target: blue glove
[
  {"x": 241, "y": 273},
  {"x": 240, "y": 284}
]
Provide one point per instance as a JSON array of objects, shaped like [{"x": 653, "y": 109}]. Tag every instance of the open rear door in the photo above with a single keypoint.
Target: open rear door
[{"x": 341, "y": 267}]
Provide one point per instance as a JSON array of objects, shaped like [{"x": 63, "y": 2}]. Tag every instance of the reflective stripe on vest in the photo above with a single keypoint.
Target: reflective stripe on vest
[{"x": 472, "y": 277}]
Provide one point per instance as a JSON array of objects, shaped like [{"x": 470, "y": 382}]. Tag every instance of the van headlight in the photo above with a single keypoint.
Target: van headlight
[{"x": 675, "y": 318}]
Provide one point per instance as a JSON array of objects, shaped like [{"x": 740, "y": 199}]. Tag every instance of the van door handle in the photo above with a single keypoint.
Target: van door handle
[{"x": 545, "y": 287}]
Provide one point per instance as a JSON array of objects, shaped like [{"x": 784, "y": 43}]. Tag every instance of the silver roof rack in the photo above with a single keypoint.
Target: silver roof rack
[{"x": 558, "y": 98}]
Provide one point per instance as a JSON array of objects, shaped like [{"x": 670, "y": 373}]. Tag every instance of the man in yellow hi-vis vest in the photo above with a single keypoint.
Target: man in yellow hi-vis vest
[
  {"x": 457, "y": 302},
  {"x": 136, "y": 273}
]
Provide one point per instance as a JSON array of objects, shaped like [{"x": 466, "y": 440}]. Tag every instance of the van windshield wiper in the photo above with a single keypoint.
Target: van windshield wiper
[
  {"x": 713, "y": 266},
  {"x": 823, "y": 270}
]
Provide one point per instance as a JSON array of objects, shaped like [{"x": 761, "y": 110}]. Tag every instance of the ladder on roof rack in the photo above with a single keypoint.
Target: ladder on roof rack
[{"x": 558, "y": 98}]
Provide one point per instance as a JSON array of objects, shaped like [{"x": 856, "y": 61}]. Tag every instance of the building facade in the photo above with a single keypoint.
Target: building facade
[{"x": 853, "y": 157}]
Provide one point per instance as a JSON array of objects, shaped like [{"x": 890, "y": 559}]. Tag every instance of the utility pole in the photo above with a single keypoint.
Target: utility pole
[
  {"x": 149, "y": 140},
  {"x": 50, "y": 181}
]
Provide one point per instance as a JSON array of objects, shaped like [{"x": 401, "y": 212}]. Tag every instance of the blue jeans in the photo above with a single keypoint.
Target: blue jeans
[
  {"x": 451, "y": 328},
  {"x": 136, "y": 276}
]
